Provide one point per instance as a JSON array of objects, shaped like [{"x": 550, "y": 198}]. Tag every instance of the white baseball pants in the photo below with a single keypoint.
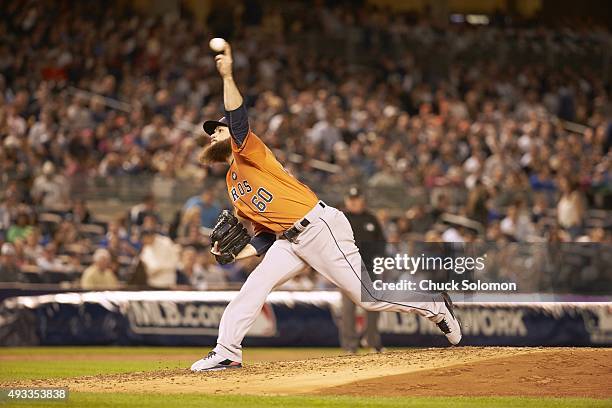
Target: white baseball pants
[{"x": 327, "y": 245}]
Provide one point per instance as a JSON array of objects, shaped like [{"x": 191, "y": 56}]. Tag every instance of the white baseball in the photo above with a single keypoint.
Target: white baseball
[{"x": 217, "y": 44}]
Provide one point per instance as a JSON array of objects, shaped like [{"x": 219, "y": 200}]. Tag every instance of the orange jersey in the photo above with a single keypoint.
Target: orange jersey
[{"x": 262, "y": 190}]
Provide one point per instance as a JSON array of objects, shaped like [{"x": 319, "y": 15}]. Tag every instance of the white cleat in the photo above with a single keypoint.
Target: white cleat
[
  {"x": 449, "y": 324},
  {"x": 214, "y": 362}
]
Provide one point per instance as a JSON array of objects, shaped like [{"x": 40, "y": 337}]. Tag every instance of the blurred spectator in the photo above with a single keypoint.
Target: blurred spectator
[
  {"x": 120, "y": 248},
  {"x": 50, "y": 188},
  {"x": 213, "y": 272},
  {"x": 80, "y": 213},
  {"x": 99, "y": 275},
  {"x": 477, "y": 203},
  {"x": 191, "y": 219},
  {"x": 9, "y": 270},
  {"x": 190, "y": 232},
  {"x": 571, "y": 207},
  {"x": 453, "y": 234},
  {"x": 195, "y": 238},
  {"x": 151, "y": 222},
  {"x": 189, "y": 271},
  {"x": 538, "y": 210},
  {"x": 32, "y": 247},
  {"x": 418, "y": 218},
  {"x": 517, "y": 223},
  {"x": 21, "y": 229},
  {"x": 49, "y": 261},
  {"x": 471, "y": 134},
  {"x": 117, "y": 242},
  {"x": 160, "y": 257},
  {"x": 68, "y": 239},
  {"x": 209, "y": 211},
  {"x": 597, "y": 234},
  {"x": 194, "y": 272},
  {"x": 148, "y": 207},
  {"x": 7, "y": 208},
  {"x": 116, "y": 228}
]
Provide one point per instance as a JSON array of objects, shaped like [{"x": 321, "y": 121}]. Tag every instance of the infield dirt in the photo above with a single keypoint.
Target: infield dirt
[{"x": 458, "y": 371}]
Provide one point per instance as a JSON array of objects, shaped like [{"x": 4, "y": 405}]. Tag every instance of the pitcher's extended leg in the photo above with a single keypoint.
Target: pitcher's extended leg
[{"x": 329, "y": 247}]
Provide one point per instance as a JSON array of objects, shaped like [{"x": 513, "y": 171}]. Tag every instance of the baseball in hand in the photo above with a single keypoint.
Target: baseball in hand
[{"x": 217, "y": 44}]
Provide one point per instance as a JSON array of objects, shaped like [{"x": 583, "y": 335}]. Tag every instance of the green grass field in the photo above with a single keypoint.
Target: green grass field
[
  {"x": 80, "y": 361},
  {"x": 64, "y": 362},
  {"x": 198, "y": 400},
  {"x": 30, "y": 363}
]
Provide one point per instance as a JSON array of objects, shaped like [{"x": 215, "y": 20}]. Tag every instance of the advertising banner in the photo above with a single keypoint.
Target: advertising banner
[{"x": 287, "y": 319}]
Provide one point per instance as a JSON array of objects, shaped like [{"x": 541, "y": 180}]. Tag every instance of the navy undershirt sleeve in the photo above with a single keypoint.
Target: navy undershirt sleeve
[
  {"x": 263, "y": 242},
  {"x": 238, "y": 121}
]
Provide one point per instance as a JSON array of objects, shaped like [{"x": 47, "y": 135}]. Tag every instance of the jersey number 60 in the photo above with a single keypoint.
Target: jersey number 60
[{"x": 261, "y": 199}]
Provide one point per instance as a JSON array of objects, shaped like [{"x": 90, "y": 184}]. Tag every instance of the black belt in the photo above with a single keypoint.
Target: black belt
[{"x": 292, "y": 233}]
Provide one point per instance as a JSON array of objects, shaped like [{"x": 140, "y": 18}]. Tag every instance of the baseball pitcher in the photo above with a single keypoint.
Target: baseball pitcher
[{"x": 292, "y": 227}]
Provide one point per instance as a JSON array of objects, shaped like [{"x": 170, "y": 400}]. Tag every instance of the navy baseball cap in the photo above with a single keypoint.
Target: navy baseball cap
[{"x": 210, "y": 125}]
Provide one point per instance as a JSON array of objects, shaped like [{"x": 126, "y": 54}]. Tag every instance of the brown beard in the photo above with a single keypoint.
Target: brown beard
[{"x": 216, "y": 153}]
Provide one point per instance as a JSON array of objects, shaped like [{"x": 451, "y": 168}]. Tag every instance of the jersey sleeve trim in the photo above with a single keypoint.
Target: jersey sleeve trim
[
  {"x": 238, "y": 122},
  {"x": 240, "y": 147}
]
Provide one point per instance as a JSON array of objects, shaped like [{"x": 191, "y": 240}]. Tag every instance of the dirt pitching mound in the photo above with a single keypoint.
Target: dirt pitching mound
[
  {"x": 559, "y": 373},
  {"x": 451, "y": 371}
]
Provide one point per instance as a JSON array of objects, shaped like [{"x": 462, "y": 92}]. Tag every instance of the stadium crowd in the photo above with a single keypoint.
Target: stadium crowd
[{"x": 519, "y": 149}]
